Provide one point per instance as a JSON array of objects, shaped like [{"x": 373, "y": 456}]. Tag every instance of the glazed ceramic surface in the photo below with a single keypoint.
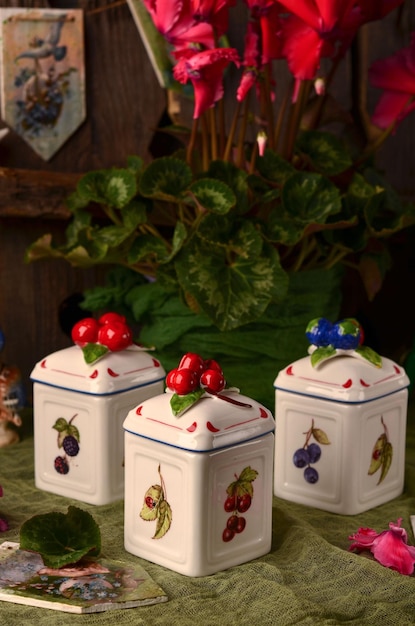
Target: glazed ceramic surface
[
  {"x": 198, "y": 488},
  {"x": 79, "y": 410},
  {"x": 340, "y": 433}
]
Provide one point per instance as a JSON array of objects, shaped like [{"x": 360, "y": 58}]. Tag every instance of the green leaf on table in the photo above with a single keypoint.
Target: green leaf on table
[{"x": 61, "y": 539}]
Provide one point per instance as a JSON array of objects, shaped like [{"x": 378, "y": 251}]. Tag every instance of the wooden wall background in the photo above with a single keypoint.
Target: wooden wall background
[{"x": 124, "y": 106}]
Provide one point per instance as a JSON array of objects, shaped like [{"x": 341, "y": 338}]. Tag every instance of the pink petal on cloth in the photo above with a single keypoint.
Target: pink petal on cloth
[
  {"x": 391, "y": 551},
  {"x": 363, "y": 539},
  {"x": 3, "y": 525}
]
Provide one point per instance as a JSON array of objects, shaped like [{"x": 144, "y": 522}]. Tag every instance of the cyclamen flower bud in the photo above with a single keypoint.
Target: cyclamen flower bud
[
  {"x": 320, "y": 86},
  {"x": 262, "y": 142}
]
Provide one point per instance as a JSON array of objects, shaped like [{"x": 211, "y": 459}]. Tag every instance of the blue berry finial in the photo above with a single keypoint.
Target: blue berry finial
[{"x": 342, "y": 338}]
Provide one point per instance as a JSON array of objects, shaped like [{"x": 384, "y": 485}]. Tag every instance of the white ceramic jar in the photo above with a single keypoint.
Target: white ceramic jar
[
  {"x": 79, "y": 411},
  {"x": 340, "y": 433},
  {"x": 198, "y": 488}
]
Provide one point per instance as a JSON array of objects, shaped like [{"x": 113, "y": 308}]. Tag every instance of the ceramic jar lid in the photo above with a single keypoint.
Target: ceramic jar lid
[
  {"x": 210, "y": 424},
  {"x": 113, "y": 373},
  {"x": 342, "y": 379}
]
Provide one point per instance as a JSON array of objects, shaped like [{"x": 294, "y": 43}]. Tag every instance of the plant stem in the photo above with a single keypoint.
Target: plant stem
[
  {"x": 240, "y": 156},
  {"x": 295, "y": 119},
  {"x": 213, "y": 134},
  {"x": 268, "y": 105},
  {"x": 192, "y": 141},
  {"x": 229, "y": 143},
  {"x": 205, "y": 144}
]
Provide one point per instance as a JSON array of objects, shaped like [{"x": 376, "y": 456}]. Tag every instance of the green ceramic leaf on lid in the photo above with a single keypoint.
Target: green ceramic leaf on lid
[{"x": 93, "y": 352}]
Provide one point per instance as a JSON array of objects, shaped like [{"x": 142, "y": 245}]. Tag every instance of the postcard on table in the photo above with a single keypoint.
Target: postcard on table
[{"x": 102, "y": 586}]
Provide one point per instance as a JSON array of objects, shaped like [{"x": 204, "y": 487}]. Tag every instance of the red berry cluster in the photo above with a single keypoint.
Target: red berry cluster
[
  {"x": 236, "y": 523},
  {"x": 110, "y": 330},
  {"x": 194, "y": 372}
]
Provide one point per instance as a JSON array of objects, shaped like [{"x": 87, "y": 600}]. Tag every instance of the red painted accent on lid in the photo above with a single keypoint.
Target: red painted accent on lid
[
  {"x": 263, "y": 412},
  {"x": 397, "y": 370},
  {"x": 347, "y": 384},
  {"x": 156, "y": 363},
  {"x": 363, "y": 383},
  {"x": 138, "y": 409},
  {"x": 112, "y": 373},
  {"x": 212, "y": 428},
  {"x": 192, "y": 427},
  {"x": 43, "y": 364},
  {"x": 289, "y": 371},
  {"x": 94, "y": 374}
]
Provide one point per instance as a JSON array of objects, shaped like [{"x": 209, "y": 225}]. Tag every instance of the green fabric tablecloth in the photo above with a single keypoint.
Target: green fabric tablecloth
[{"x": 309, "y": 577}]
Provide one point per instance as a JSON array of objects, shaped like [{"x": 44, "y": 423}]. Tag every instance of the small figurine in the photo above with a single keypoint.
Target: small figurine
[{"x": 11, "y": 401}]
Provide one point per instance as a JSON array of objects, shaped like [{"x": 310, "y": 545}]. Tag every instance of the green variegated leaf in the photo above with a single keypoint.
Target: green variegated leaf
[
  {"x": 134, "y": 214},
  {"x": 147, "y": 247},
  {"x": 135, "y": 163},
  {"x": 166, "y": 178},
  {"x": 377, "y": 454},
  {"x": 233, "y": 282},
  {"x": 42, "y": 248},
  {"x": 309, "y": 197},
  {"x": 81, "y": 257},
  {"x": 213, "y": 195},
  {"x": 274, "y": 168},
  {"x": 121, "y": 187},
  {"x": 113, "y": 187},
  {"x": 322, "y": 354},
  {"x": 112, "y": 236},
  {"x": 324, "y": 151},
  {"x": 386, "y": 461},
  {"x": 164, "y": 519},
  {"x": 236, "y": 179},
  {"x": 284, "y": 230}
]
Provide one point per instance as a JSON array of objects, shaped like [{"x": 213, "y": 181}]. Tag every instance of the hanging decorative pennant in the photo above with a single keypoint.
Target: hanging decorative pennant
[{"x": 42, "y": 75}]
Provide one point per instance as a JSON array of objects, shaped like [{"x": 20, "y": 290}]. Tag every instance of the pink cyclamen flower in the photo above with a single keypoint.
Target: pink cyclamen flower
[
  {"x": 396, "y": 76},
  {"x": 390, "y": 547},
  {"x": 205, "y": 71}
]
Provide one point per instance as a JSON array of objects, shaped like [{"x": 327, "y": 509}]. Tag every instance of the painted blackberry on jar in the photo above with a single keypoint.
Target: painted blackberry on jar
[
  {"x": 306, "y": 457},
  {"x": 68, "y": 442}
]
